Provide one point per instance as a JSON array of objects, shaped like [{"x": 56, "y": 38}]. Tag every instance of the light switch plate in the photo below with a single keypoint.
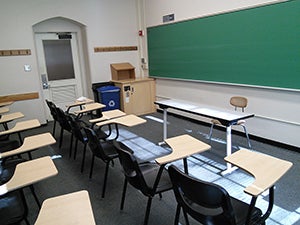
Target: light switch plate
[{"x": 27, "y": 68}]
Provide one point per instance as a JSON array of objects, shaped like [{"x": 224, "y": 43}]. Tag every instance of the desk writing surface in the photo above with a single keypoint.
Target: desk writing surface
[
  {"x": 90, "y": 107},
  {"x": 79, "y": 102},
  {"x": 31, "y": 143},
  {"x": 30, "y": 172},
  {"x": 11, "y": 116},
  {"x": 22, "y": 126},
  {"x": 107, "y": 115},
  {"x": 6, "y": 103},
  {"x": 182, "y": 147},
  {"x": 4, "y": 110},
  {"x": 128, "y": 120},
  {"x": 265, "y": 169},
  {"x": 69, "y": 209}
]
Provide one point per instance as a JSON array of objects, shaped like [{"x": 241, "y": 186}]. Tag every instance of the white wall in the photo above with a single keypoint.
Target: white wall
[
  {"x": 105, "y": 22},
  {"x": 277, "y": 111}
]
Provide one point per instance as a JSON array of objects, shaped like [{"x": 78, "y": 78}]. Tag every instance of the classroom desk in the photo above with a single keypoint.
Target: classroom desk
[
  {"x": 68, "y": 209},
  {"x": 4, "y": 110},
  {"x": 267, "y": 170},
  {"x": 4, "y": 119},
  {"x": 31, "y": 143},
  {"x": 79, "y": 103},
  {"x": 107, "y": 115},
  {"x": 89, "y": 108},
  {"x": 226, "y": 117},
  {"x": 21, "y": 126},
  {"x": 128, "y": 121},
  {"x": 6, "y": 103},
  {"x": 182, "y": 147},
  {"x": 28, "y": 173}
]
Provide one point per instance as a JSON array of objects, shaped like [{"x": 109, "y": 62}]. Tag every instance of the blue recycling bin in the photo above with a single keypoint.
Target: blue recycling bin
[{"x": 110, "y": 97}]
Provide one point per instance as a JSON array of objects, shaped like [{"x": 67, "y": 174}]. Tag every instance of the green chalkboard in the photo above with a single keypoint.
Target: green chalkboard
[{"x": 258, "y": 46}]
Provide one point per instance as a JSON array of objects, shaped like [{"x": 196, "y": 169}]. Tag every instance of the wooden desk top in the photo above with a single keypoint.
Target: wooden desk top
[
  {"x": 11, "y": 116},
  {"x": 70, "y": 209},
  {"x": 21, "y": 126},
  {"x": 31, "y": 143},
  {"x": 107, "y": 115},
  {"x": 6, "y": 103},
  {"x": 128, "y": 121},
  {"x": 265, "y": 169},
  {"x": 182, "y": 146},
  {"x": 90, "y": 107},
  {"x": 79, "y": 103},
  {"x": 4, "y": 110},
  {"x": 30, "y": 172}
]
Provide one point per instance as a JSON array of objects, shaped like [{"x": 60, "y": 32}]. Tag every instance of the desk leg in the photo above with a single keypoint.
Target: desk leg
[
  {"x": 228, "y": 151},
  {"x": 165, "y": 128}
]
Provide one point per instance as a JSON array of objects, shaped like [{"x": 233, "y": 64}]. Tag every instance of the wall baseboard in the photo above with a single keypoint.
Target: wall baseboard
[{"x": 251, "y": 136}]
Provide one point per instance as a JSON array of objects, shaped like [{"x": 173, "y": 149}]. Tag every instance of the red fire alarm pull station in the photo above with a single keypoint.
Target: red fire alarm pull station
[{"x": 141, "y": 33}]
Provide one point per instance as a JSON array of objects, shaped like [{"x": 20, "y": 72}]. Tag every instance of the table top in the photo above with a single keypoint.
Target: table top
[
  {"x": 182, "y": 146},
  {"x": 265, "y": 169},
  {"x": 107, "y": 115},
  {"x": 11, "y": 116},
  {"x": 30, "y": 172},
  {"x": 21, "y": 126},
  {"x": 226, "y": 117},
  {"x": 6, "y": 103},
  {"x": 69, "y": 209},
  {"x": 79, "y": 102},
  {"x": 128, "y": 121},
  {"x": 4, "y": 110},
  {"x": 31, "y": 143},
  {"x": 90, "y": 107}
]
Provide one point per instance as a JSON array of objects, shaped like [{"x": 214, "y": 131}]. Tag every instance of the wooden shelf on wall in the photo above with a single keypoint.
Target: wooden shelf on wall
[
  {"x": 115, "y": 49},
  {"x": 15, "y": 52},
  {"x": 19, "y": 97}
]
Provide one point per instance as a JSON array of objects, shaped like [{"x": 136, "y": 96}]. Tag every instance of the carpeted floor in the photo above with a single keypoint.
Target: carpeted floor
[{"x": 143, "y": 140}]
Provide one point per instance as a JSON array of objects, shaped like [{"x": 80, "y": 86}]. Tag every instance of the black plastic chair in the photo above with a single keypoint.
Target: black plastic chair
[
  {"x": 77, "y": 127},
  {"x": 147, "y": 177},
  {"x": 64, "y": 125},
  {"x": 104, "y": 150},
  {"x": 13, "y": 207},
  {"x": 208, "y": 203},
  {"x": 52, "y": 108}
]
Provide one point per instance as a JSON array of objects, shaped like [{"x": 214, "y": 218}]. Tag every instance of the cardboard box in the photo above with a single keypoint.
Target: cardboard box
[{"x": 122, "y": 71}]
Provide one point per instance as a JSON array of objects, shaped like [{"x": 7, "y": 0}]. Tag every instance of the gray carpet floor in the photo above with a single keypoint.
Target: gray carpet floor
[{"x": 144, "y": 139}]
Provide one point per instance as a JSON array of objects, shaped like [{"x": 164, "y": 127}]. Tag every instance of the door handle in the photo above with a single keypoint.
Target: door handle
[{"x": 45, "y": 81}]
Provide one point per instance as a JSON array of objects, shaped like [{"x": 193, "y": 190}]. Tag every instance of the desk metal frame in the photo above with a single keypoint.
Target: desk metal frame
[{"x": 227, "y": 119}]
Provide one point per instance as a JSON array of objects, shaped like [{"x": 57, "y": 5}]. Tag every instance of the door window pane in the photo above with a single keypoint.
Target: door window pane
[{"x": 59, "y": 61}]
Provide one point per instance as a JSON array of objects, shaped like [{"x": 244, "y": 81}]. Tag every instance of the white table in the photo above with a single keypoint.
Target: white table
[{"x": 226, "y": 117}]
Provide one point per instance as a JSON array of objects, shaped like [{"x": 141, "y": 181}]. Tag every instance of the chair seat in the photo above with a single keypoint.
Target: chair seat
[
  {"x": 12, "y": 208},
  {"x": 149, "y": 171},
  {"x": 240, "y": 208},
  {"x": 109, "y": 149}
]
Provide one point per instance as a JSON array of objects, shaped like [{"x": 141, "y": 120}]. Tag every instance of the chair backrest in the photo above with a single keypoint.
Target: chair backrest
[
  {"x": 52, "y": 108},
  {"x": 95, "y": 144},
  {"x": 206, "y": 202},
  {"x": 239, "y": 102},
  {"x": 62, "y": 119},
  {"x": 77, "y": 128},
  {"x": 131, "y": 169}
]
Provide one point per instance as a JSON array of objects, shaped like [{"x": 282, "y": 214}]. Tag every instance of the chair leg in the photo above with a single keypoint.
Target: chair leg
[
  {"x": 148, "y": 210},
  {"x": 186, "y": 217},
  {"x": 75, "y": 150},
  {"x": 71, "y": 146},
  {"x": 35, "y": 196},
  {"x": 123, "y": 194},
  {"x": 54, "y": 126},
  {"x": 176, "y": 222},
  {"x": 247, "y": 136},
  {"x": 83, "y": 157},
  {"x": 92, "y": 166},
  {"x": 61, "y": 137},
  {"x": 105, "y": 179}
]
